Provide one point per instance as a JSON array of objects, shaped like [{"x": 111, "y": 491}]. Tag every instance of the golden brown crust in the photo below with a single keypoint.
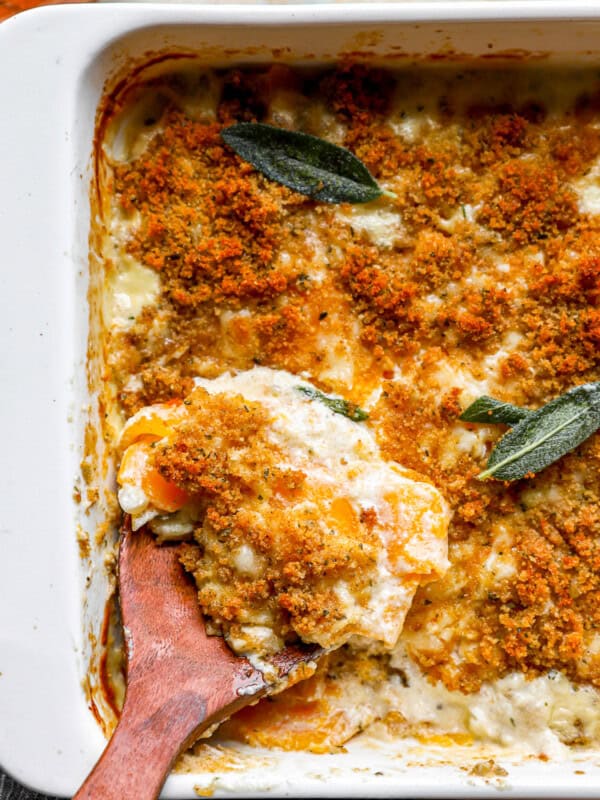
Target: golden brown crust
[
  {"x": 223, "y": 458},
  {"x": 491, "y": 184}
]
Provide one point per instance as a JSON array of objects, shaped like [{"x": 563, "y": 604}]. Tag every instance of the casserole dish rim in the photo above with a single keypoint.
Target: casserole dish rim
[{"x": 62, "y": 44}]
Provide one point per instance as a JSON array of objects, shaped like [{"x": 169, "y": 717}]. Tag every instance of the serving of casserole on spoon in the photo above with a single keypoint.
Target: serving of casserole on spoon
[{"x": 299, "y": 538}]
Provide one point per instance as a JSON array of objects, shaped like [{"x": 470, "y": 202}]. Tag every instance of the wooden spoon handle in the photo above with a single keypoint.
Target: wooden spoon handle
[{"x": 141, "y": 752}]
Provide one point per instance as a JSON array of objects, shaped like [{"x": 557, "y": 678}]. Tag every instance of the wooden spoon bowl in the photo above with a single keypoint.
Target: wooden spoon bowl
[{"x": 180, "y": 681}]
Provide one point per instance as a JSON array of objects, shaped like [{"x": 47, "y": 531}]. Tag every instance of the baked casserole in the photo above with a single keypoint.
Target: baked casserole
[{"x": 476, "y": 272}]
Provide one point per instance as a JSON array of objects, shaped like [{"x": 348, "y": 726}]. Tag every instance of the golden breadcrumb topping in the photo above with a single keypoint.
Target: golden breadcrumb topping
[
  {"x": 224, "y": 457},
  {"x": 482, "y": 276},
  {"x": 301, "y": 530}
]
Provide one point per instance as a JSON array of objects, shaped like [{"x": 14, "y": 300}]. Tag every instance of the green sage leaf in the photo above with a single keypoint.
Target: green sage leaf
[
  {"x": 302, "y": 162},
  {"x": 545, "y": 435},
  {"x": 337, "y": 404},
  {"x": 487, "y": 409}
]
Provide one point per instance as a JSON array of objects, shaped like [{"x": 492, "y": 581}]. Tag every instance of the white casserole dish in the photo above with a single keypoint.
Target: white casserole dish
[{"x": 55, "y": 63}]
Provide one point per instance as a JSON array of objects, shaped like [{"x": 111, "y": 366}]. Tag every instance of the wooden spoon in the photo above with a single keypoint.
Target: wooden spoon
[{"x": 179, "y": 680}]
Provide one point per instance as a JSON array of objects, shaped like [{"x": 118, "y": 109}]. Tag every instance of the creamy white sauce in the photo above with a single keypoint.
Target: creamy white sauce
[
  {"x": 132, "y": 499},
  {"x": 174, "y": 526},
  {"x": 382, "y": 226},
  {"x": 501, "y": 562},
  {"x": 246, "y": 561},
  {"x": 341, "y": 461},
  {"x": 132, "y": 287},
  {"x": 535, "y": 716},
  {"x": 344, "y": 455},
  {"x": 587, "y": 190},
  {"x": 538, "y": 716}
]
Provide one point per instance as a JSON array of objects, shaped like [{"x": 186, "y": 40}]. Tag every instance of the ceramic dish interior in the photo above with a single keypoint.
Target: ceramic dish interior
[{"x": 61, "y": 62}]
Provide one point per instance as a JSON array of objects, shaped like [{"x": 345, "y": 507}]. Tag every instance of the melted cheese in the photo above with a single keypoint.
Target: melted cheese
[
  {"x": 345, "y": 478},
  {"x": 132, "y": 288},
  {"x": 381, "y": 226},
  {"x": 536, "y": 715}
]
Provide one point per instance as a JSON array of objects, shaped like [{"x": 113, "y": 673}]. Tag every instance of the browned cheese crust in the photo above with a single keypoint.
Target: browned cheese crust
[
  {"x": 222, "y": 237},
  {"x": 247, "y": 502}
]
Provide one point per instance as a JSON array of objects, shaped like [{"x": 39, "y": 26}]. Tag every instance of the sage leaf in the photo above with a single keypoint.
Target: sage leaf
[
  {"x": 545, "y": 435},
  {"x": 487, "y": 409},
  {"x": 337, "y": 404},
  {"x": 302, "y": 162}
]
